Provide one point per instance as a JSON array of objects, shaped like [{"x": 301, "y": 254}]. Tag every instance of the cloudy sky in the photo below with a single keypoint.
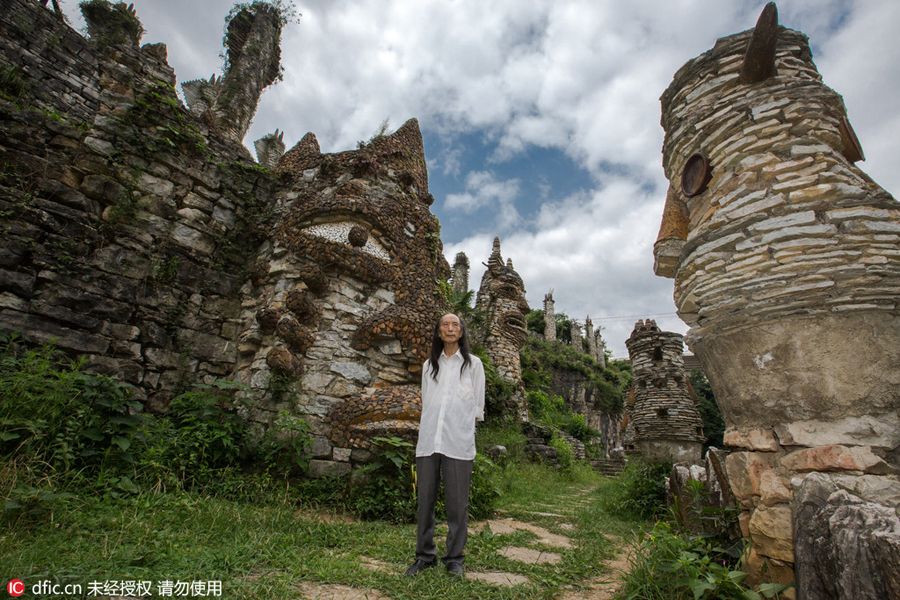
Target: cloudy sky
[{"x": 540, "y": 117}]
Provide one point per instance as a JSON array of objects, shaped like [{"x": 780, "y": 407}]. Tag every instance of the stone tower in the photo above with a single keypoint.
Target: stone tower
[
  {"x": 459, "y": 277},
  {"x": 576, "y": 336},
  {"x": 786, "y": 269},
  {"x": 549, "y": 318},
  {"x": 501, "y": 298},
  {"x": 253, "y": 62},
  {"x": 663, "y": 418}
]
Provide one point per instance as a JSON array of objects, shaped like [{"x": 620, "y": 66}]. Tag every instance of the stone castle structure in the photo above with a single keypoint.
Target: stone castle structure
[
  {"x": 784, "y": 256},
  {"x": 140, "y": 235},
  {"x": 662, "y": 418}
]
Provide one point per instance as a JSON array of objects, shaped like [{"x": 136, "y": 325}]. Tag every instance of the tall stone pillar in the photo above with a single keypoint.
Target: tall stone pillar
[
  {"x": 589, "y": 335},
  {"x": 786, "y": 269},
  {"x": 663, "y": 414},
  {"x": 459, "y": 278},
  {"x": 576, "y": 336},
  {"x": 598, "y": 344},
  {"x": 549, "y": 318}
]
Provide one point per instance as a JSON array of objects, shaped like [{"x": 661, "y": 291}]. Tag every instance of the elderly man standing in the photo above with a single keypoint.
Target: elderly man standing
[{"x": 452, "y": 401}]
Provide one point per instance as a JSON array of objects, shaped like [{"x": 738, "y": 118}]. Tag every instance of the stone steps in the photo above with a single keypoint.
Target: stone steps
[{"x": 609, "y": 467}]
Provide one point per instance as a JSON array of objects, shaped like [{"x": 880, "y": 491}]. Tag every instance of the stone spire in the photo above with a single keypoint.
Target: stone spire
[
  {"x": 549, "y": 318},
  {"x": 495, "y": 261},
  {"x": 663, "y": 420},
  {"x": 460, "y": 274},
  {"x": 501, "y": 298},
  {"x": 589, "y": 336}
]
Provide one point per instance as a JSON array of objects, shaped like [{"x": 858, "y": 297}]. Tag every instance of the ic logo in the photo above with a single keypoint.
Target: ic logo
[{"x": 15, "y": 587}]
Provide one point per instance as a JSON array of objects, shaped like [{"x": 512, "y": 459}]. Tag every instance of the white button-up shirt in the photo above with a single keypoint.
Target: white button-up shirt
[{"x": 450, "y": 407}]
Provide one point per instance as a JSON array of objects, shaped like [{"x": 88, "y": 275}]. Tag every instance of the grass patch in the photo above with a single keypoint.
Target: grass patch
[{"x": 265, "y": 549}]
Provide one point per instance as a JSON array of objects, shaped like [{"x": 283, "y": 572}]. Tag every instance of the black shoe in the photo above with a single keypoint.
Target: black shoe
[
  {"x": 419, "y": 566},
  {"x": 456, "y": 570}
]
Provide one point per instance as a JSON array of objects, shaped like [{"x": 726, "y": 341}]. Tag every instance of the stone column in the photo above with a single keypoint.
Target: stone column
[
  {"x": 589, "y": 335},
  {"x": 549, "y": 318},
  {"x": 253, "y": 62}
]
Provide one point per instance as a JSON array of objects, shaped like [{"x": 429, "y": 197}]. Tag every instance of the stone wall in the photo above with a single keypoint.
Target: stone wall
[
  {"x": 125, "y": 227},
  {"x": 663, "y": 420},
  {"x": 142, "y": 239},
  {"x": 786, "y": 269}
]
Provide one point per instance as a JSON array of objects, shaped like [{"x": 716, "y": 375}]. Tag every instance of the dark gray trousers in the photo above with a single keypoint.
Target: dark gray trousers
[{"x": 456, "y": 475}]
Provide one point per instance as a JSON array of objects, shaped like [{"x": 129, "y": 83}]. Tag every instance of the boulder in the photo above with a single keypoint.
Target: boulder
[{"x": 846, "y": 547}]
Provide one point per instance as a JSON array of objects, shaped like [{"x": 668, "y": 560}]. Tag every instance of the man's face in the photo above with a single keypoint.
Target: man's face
[{"x": 450, "y": 330}]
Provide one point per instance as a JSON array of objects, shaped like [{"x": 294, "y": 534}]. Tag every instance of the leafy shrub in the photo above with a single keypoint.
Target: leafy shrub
[
  {"x": 538, "y": 358},
  {"x": 385, "y": 488},
  {"x": 62, "y": 426},
  {"x": 13, "y": 82},
  {"x": 113, "y": 23},
  {"x": 59, "y": 419},
  {"x": 484, "y": 492},
  {"x": 640, "y": 490},
  {"x": 565, "y": 456},
  {"x": 286, "y": 444},
  {"x": 552, "y": 411},
  {"x": 670, "y": 565},
  {"x": 509, "y": 436},
  {"x": 713, "y": 423}
]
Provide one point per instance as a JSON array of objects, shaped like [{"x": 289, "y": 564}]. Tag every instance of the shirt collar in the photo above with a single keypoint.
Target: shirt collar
[{"x": 455, "y": 355}]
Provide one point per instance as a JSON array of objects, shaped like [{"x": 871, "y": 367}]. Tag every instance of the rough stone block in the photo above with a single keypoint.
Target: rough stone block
[
  {"x": 843, "y": 543},
  {"x": 328, "y": 468},
  {"x": 774, "y": 489},
  {"x": 836, "y": 458},
  {"x": 770, "y": 529},
  {"x": 745, "y": 470},
  {"x": 866, "y": 430},
  {"x": 753, "y": 439},
  {"x": 353, "y": 371}
]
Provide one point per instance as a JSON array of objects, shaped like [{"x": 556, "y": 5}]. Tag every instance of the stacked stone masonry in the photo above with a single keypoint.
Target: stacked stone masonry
[
  {"x": 787, "y": 270},
  {"x": 140, "y": 237},
  {"x": 663, "y": 421}
]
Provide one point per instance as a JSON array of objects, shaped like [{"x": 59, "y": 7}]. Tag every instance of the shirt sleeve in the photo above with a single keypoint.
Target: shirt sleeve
[
  {"x": 426, "y": 381},
  {"x": 478, "y": 387}
]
